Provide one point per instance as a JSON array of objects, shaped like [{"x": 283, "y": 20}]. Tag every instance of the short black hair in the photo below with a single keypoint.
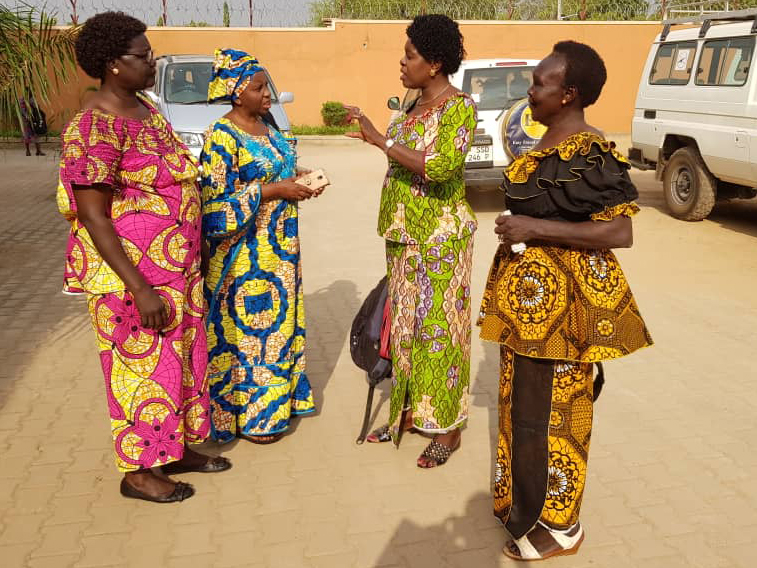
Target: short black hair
[
  {"x": 105, "y": 37},
  {"x": 584, "y": 69},
  {"x": 438, "y": 39}
]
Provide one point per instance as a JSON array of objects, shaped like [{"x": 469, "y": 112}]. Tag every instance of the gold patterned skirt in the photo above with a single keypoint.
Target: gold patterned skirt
[{"x": 554, "y": 311}]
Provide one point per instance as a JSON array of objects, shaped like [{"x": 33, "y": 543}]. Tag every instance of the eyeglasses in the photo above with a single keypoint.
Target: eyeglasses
[{"x": 149, "y": 56}]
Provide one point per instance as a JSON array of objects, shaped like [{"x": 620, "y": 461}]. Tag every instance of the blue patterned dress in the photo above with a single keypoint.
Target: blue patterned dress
[{"x": 256, "y": 318}]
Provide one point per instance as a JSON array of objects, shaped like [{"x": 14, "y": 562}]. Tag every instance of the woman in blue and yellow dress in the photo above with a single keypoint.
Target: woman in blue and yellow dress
[
  {"x": 559, "y": 307},
  {"x": 253, "y": 280}
]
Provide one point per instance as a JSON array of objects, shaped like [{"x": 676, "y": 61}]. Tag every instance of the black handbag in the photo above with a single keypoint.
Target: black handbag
[{"x": 365, "y": 345}]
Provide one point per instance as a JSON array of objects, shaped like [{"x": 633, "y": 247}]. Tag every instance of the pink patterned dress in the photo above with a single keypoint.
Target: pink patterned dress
[{"x": 155, "y": 380}]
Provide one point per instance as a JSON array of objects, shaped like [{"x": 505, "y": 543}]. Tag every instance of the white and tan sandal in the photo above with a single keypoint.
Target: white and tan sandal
[{"x": 567, "y": 544}]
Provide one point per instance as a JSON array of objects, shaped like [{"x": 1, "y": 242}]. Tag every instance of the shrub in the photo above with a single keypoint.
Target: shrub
[{"x": 333, "y": 113}]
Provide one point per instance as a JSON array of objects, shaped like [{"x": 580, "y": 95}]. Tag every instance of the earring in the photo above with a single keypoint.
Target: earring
[
  {"x": 115, "y": 71},
  {"x": 564, "y": 102},
  {"x": 432, "y": 73}
]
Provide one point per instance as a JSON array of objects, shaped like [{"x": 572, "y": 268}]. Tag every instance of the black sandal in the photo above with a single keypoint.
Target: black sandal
[
  {"x": 213, "y": 465},
  {"x": 181, "y": 491},
  {"x": 438, "y": 452},
  {"x": 380, "y": 435}
]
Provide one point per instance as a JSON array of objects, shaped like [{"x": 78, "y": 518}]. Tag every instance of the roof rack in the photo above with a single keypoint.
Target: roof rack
[{"x": 708, "y": 19}]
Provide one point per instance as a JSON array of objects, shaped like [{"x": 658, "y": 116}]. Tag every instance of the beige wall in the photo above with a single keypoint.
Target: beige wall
[{"x": 358, "y": 61}]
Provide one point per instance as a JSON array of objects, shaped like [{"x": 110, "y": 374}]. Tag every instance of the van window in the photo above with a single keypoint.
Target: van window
[
  {"x": 187, "y": 82},
  {"x": 725, "y": 62},
  {"x": 497, "y": 88},
  {"x": 673, "y": 63}
]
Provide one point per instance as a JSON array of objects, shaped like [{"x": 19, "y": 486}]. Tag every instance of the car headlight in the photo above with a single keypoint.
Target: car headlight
[{"x": 190, "y": 138}]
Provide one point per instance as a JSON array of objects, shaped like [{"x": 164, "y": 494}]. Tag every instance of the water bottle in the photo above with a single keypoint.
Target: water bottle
[{"x": 517, "y": 248}]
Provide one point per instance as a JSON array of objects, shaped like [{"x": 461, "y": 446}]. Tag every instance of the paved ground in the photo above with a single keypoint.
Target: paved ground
[{"x": 671, "y": 477}]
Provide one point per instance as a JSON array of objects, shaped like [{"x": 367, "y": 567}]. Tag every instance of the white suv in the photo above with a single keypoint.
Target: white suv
[
  {"x": 695, "y": 120},
  {"x": 505, "y": 128}
]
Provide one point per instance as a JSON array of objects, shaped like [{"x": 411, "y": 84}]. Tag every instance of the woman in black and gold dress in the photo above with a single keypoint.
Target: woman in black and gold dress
[{"x": 558, "y": 307}]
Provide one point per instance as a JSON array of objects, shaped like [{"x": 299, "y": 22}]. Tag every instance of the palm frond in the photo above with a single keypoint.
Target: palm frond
[{"x": 34, "y": 56}]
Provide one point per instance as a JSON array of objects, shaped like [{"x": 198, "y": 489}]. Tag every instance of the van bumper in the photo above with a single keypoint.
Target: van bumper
[{"x": 484, "y": 178}]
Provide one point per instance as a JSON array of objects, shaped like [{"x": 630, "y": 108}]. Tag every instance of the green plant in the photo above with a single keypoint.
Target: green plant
[
  {"x": 33, "y": 56},
  {"x": 333, "y": 113},
  {"x": 226, "y": 15},
  {"x": 308, "y": 130}
]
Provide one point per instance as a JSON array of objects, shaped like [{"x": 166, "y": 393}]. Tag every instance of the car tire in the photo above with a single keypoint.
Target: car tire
[{"x": 688, "y": 186}]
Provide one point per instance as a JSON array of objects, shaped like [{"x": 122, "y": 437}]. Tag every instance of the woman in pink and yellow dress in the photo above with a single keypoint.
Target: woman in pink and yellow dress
[{"x": 128, "y": 187}]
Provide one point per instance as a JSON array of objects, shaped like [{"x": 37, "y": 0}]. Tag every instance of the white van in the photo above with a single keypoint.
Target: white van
[
  {"x": 695, "y": 120},
  {"x": 498, "y": 86}
]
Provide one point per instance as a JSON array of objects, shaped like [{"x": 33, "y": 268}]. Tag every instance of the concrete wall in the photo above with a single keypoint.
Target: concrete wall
[{"x": 358, "y": 61}]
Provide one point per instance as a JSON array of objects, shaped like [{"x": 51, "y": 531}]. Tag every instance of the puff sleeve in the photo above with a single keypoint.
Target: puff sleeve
[
  {"x": 588, "y": 183},
  {"x": 231, "y": 188},
  {"x": 453, "y": 139}
]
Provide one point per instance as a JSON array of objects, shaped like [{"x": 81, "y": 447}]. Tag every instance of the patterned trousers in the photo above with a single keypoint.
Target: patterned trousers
[
  {"x": 429, "y": 287},
  {"x": 545, "y": 417}
]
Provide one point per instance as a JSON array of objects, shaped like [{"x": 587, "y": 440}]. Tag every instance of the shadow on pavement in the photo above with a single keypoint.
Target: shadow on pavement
[
  {"x": 328, "y": 313},
  {"x": 473, "y": 539},
  {"x": 485, "y": 394},
  {"x": 33, "y": 311}
]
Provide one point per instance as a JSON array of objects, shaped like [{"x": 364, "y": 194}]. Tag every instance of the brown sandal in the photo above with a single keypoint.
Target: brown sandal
[
  {"x": 381, "y": 435},
  {"x": 439, "y": 453}
]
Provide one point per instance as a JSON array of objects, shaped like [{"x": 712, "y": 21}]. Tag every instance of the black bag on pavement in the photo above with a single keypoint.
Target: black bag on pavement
[{"x": 365, "y": 345}]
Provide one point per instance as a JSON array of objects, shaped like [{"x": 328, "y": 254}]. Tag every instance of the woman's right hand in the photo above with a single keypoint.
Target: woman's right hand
[
  {"x": 151, "y": 308},
  {"x": 290, "y": 190}
]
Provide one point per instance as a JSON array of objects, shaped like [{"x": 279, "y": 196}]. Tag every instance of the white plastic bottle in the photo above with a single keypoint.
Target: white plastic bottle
[{"x": 517, "y": 248}]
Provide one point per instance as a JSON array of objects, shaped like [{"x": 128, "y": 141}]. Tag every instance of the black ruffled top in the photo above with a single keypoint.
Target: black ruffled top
[{"x": 581, "y": 179}]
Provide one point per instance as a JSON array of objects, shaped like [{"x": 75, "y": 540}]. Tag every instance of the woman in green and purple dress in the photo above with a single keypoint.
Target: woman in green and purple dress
[{"x": 428, "y": 227}]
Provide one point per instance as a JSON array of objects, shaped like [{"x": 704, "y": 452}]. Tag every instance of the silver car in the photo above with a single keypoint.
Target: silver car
[{"x": 181, "y": 92}]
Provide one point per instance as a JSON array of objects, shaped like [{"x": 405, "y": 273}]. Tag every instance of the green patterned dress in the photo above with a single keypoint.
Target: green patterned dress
[{"x": 428, "y": 227}]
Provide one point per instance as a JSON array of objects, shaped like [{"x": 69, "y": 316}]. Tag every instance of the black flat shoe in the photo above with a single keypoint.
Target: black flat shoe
[
  {"x": 181, "y": 492},
  {"x": 213, "y": 465}
]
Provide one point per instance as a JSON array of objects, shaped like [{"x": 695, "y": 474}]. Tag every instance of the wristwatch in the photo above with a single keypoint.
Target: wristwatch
[{"x": 388, "y": 144}]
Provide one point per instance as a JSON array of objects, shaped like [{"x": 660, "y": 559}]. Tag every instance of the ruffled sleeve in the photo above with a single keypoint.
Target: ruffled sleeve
[
  {"x": 456, "y": 124},
  {"x": 93, "y": 144},
  {"x": 231, "y": 188},
  {"x": 583, "y": 178}
]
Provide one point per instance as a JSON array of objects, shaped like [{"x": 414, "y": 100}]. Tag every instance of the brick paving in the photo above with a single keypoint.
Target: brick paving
[{"x": 671, "y": 471}]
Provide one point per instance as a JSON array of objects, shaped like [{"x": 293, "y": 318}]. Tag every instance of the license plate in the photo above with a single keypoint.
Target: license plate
[{"x": 479, "y": 154}]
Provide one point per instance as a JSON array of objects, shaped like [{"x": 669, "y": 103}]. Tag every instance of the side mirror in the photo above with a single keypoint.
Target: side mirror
[
  {"x": 286, "y": 97},
  {"x": 393, "y": 103}
]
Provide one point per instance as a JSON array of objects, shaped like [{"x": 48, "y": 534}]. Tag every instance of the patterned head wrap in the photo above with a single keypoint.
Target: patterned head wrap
[{"x": 232, "y": 71}]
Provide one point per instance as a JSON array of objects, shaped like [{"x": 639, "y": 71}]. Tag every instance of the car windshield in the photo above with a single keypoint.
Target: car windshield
[
  {"x": 497, "y": 88},
  {"x": 187, "y": 83}
]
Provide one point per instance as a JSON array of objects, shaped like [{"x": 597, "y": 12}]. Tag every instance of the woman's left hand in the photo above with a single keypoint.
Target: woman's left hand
[
  {"x": 516, "y": 228},
  {"x": 368, "y": 132}
]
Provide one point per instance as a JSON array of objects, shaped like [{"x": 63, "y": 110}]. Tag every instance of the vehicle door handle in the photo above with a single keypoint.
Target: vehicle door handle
[
  {"x": 740, "y": 138},
  {"x": 650, "y": 114}
]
